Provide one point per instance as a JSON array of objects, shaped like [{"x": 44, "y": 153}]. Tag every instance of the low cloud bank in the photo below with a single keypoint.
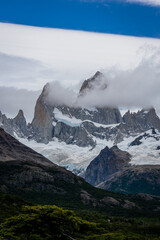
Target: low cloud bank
[
  {"x": 139, "y": 87},
  {"x": 13, "y": 99}
]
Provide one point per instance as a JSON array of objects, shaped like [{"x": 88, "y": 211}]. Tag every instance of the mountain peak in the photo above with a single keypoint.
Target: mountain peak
[
  {"x": 95, "y": 82},
  {"x": 20, "y": 114},
  {"x": 108, "y": 162}
]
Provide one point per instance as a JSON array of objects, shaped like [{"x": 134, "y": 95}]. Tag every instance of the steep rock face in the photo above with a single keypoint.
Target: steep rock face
[
  {"x": 136, "y": 179},
  {"x": 105, "y": 164},
  {"x": 16, "y": 125},
  {"x": 97, "y": 115},
  {"x": 42, "y": 128},
  {"x": 142, "y": 120},
  {"x": 20, "y": 124},
  {"x": 73, "y": 135}
]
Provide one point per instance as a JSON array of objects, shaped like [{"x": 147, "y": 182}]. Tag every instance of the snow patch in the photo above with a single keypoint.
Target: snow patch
[
  {"x": 147, "y": 152},
  {"x": 75, "y": 122},
  {"x": 74, "y": 157}
]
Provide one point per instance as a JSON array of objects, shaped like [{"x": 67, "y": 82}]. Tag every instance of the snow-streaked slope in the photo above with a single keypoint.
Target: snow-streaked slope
[
  {"x": 74, "y": 122},
  {"x": 74, "y": 157},
  {"x": 146, "y": 152},
  {"x": 59, "y": 116},
  {"x": 63, "y": 154}
]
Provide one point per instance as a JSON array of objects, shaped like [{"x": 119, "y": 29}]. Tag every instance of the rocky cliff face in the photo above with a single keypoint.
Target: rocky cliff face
[
  {"x": 42, "y": 128},
  {"x": 46, "y": 125},
  {"x": 108, "y": 162}
]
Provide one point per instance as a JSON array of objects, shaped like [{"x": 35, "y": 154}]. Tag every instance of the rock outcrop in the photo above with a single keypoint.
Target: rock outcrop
[{"x": 108, "y": 162}]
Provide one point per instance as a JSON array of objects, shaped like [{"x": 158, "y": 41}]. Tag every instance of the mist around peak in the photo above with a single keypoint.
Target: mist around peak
[{"x": 134, "y": 88}]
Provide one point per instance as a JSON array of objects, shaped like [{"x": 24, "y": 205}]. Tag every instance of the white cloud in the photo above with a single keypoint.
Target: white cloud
[
  {"x": 44, "y": 54},
  {"x": 12, "y": 99},
  {"x": 146, "y": 2},
  {"x": 31, "y": 57},
  {"x": 134, "y": 88},
  {"x": 138, "y": 87},
  {"x": 20, "y": 72}
]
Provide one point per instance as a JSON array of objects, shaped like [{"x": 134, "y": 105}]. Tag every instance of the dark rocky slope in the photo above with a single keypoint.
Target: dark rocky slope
[
  {"x": 111, "y": 170},
  {"x": 26, "y": 173},
  {"x": 12, "y": 150},
  {"x": 136, "y": 179}
]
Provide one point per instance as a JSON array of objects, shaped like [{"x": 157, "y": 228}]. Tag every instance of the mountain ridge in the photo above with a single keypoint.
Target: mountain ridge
[
  {"x": 51, "y": 184},
  {"x": 45, "y": 123}
]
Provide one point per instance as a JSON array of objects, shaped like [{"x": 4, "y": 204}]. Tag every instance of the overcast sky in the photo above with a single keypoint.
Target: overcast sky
[{"x": 31, "y": 56}]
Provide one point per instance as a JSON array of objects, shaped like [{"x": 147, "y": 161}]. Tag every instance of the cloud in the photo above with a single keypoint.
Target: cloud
[
  {"x": 146, "y": 2},
  {"x": 31, "y": 56},
  {"x": 57, "y": 94},
  {"x": 20, "y": 72},
  {"x": 40, "y": 55},
  {"x": 134, "y": 88},
  {"x": 12, "y": 99}
]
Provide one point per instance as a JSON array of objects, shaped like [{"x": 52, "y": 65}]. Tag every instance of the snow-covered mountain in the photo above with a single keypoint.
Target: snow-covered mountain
[{"x": 72, "y": 135}]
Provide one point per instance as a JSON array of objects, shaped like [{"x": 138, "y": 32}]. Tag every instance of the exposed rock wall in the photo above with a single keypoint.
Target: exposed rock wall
[{"x": 108, "y": 162}]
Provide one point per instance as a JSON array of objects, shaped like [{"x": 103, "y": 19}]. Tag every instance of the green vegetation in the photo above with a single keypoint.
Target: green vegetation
[
  {"x": 10, "y": 205},
  {"x": 54, "y": 223}
]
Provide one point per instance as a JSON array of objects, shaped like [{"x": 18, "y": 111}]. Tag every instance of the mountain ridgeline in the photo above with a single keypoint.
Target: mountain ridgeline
[{"x": 93, "y": 123}]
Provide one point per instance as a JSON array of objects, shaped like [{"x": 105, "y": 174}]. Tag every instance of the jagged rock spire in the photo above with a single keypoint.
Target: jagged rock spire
[
  {"x": 96, "y": 81},
  {"x": 42, "y": 121}
]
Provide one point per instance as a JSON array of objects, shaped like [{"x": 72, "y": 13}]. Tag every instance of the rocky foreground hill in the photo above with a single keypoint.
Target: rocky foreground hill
[
  {"x": 26, "y": 173},
  {"x": 111, "y": 170}
]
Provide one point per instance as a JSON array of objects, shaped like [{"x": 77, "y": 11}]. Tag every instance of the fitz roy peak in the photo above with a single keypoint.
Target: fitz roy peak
[{"x": 80, "y": 126}]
